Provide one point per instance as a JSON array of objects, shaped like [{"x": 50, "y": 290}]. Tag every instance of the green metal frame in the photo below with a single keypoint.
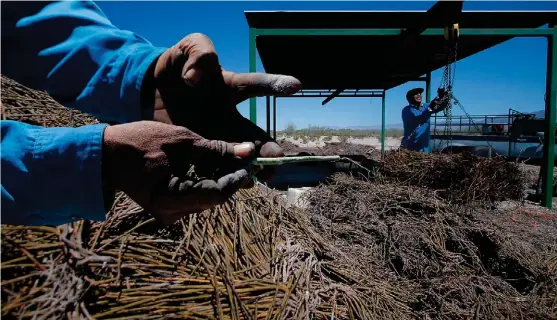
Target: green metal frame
[
  {"x": 550, "y": 116},
  {"x": 551, "y": 95},
  {"x": 383, "y": 103}
]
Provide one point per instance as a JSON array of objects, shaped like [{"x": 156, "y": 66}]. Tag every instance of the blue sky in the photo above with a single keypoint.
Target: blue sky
[{"x": 511, "y": 75}]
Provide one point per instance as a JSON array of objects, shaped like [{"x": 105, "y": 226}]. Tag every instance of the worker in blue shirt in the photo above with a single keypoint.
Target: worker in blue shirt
[
  {"x": 168, "y": 108},
  {"x": 415, "y": 118}
]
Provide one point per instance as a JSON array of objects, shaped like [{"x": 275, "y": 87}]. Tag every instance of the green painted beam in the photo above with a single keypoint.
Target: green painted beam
[
  {"x": 274, "y": 117},
  {"x": 383, "y": 123},
  {"x": 514, "y": 32},
  {"x": 332, "y": 96},
  {"x": 550, "y": 115},
  {"x": 268, "y": 113},
  {"x": 252, "y": 68},
  {"x": 428, "y": 87}
]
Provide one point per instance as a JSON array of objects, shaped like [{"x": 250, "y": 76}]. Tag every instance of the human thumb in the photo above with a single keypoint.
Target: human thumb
[
  {"x": 244, "y": 150},
  {"x": 218, "y": 151}
]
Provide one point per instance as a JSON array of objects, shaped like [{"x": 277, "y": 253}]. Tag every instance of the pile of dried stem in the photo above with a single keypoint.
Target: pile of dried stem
[
  {"x": 249, "y": 258},
  {"x": 329, "y": 149},
  {"x": 444, "y": 262},
  {"x": 19, "y": 103},
  {"x": 290, "y": 148},
  {"x": 344, "y": 148},
  {"x": 364, "y": 250},
  {"x": 460, "y": 178}
]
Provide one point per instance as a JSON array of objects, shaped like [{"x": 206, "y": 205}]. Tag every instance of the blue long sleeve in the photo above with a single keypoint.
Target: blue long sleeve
[
  {"x": 416, "y": 128},
  {"x": 71, "y": 50}
]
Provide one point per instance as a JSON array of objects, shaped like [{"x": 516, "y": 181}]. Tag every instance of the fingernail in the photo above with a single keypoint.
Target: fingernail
[
  {"x": 192, "y": 77},
  {"x": 244, "y": 149},
  {"x": 286, "y": 85}
]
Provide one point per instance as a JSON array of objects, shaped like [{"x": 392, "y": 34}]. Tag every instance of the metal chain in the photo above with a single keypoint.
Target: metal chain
[{"x": 447, "y": 83}]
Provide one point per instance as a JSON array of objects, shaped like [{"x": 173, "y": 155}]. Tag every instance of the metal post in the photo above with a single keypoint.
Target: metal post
[
  {"x": 252, "y": 68},
  {"x": 274, "y": 117},
  {"x": 428, "y": 99},
  {"x": 383, "y": 123},
  {"x": 268, "y": 113},
  {"x": 428, "y": 87},
  {"x": 550, "y": 110}
]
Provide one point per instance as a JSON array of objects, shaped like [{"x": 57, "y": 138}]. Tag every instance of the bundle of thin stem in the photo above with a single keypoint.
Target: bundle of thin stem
[
  {"x": 460, "y": 178},
  {"x": 446, "y": 262},
  {"x": 22, "y": 104},
  {"x": 375, "y": 249},
  {"x": 344, "y": 148},
  {"x": 249, "y": 258}
]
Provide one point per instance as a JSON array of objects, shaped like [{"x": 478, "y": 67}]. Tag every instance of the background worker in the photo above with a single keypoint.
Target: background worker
[
  {"x": 170, "y": 107},
  {"x": 415, "y": 118}
]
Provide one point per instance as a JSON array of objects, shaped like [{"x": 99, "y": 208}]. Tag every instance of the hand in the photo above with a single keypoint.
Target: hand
[
  {"x": 441, "y": 92},
  {"x": 149, "y": 161},
  {"x": 437, "y": 105},
  {"x": 189, "y": 88}
]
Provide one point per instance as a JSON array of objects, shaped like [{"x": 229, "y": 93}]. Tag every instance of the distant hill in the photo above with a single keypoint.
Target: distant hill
[
  {"x": 387, "y": 126},
  {"x": 503, "y": 120},
  {"x": 540, "y": 114},
  {"x": 378, "y": 127}
]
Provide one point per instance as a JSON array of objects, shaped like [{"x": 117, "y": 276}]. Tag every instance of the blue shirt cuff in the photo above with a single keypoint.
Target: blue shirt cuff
[{"x": 52, "y": 176}]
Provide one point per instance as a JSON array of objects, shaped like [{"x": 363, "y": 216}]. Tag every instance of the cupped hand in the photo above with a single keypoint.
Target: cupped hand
[
  {"x": 189, "y": 88},
  {"x": 152, "y": 163}
]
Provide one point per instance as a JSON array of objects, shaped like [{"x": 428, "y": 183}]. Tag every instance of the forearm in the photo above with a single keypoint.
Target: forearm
[
  {"x": 72, "y": 51},
  {"x": 51, "y": 176}
]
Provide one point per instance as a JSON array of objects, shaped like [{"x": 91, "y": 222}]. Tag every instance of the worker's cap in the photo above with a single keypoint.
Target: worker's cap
[{"x": 412, "y": 92}]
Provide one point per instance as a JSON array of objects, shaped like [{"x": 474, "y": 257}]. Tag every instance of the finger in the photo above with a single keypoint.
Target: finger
[
  {"x": 249, "y": 85},
  {"x": 202, "y": 63},
  {"x": 217, "y": 152},
  {"x": 184, "y": 196},
  {"x": 211, "y": 193},
  {"x": 231, "y": 183}
]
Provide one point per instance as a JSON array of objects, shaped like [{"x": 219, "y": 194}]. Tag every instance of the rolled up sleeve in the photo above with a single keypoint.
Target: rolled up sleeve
[
  {"x": 72, "y": 51},
  {"x": 51, "y": 175}
]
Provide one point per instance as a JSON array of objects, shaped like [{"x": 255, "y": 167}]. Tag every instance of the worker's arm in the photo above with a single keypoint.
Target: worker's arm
[
  {"x": 51, "y": 175},
  {"x": 71, "y": 50}
]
